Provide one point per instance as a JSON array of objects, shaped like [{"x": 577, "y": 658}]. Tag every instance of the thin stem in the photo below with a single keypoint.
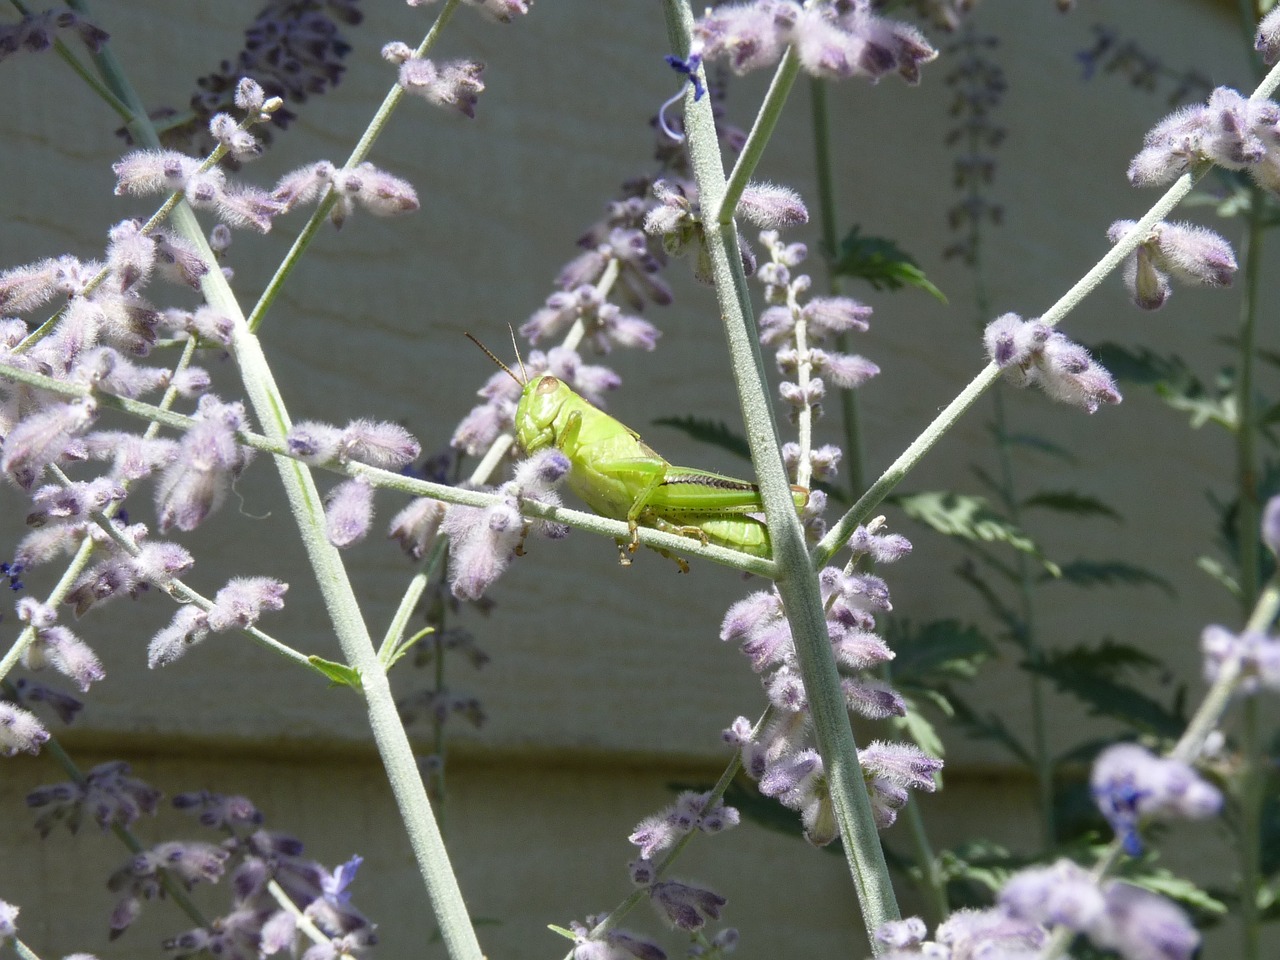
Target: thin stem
[
  {"x": 935, "y": 431},
  {"x": 854, "y": 463},
  {"x": 761, "y": 130},
  {"x": 359, "y": 154},
  {"x": 1248, "y": 519},
  {"x": 796, "y": 580}
]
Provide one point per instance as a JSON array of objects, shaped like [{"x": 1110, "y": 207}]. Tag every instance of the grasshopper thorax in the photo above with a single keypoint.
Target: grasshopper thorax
[{"x": 540, "y": 403}]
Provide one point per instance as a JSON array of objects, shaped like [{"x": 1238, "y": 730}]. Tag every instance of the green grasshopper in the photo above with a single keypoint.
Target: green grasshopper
[{"x": 620, "y": 476}]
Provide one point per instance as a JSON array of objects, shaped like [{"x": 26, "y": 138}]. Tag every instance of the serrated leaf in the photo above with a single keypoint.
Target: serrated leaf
[
  {"x": 969, "y": 518},
  {"x": 1068, "y": 501},
  {"x": 989, "y": 727},
  {"x": 915, "y": 727},
  {"x": 338, "y": 674},
  {"x": 713, "y": 432},
  {"x": 1142, "y": 366},
  {"x": 1110, "y": 573},
  {"x": 938, "y": 650},
  {"x": 881, "y": 263},
  {"x": 1162, "y": 881},
  {"x": 1032, "y": 442},
  {"x": 1091, "y": 673}
]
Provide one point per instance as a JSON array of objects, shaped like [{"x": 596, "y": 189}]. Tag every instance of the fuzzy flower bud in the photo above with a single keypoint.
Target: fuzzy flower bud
[
  {"x": 771, "y": 206},
  {"x": 42, "y": 438},
  {"x": 684, "y": 906},
  {"x": 1257, "y": 655},
  {"x": 153, "y": 171},
  {"x": 1139, "y": 924},
  {"x": 416, "y": 526},
  {"x": 208, "y": 459},
  {"x": 1063, "y": 894},
  {"x": 242, "y": 600},
  {"x": 1031, "y": 352},
  {"x": 20, "y": 731},
  {"x": 1190, "y": 253},
  {"x": 454, "y": 83},
  {"x": 189, "y": 626},
  {"x": 349, "y": 512}
]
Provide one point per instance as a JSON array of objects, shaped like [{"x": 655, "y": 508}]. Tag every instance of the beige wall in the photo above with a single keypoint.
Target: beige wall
[{"x": 606, "y": 683}]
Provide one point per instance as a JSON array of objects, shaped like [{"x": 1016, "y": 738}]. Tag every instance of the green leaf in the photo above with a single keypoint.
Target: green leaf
[
  {"x": 713, "y": 432},
  {"x": 1110, "y": 573},
  {"x": 1219, "y": 572},
  {"x": 1173, "y": 382},
  {"x": 935, "y": 651},
  {"x": 881, "y": 263},
  {"x": 969, "y": 518},
  {"x": 338, "y": 674},
  {"x": 917, "y": 728},
  {"x": 989, "y": 727},
  {"x": 1031, "y": 442},
  {"x": 1092, "y": 674},
  {"x": 1068, "y": 501}
]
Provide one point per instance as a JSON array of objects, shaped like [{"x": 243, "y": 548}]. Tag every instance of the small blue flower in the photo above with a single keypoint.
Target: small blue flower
[{"x": 335, "y": 885}]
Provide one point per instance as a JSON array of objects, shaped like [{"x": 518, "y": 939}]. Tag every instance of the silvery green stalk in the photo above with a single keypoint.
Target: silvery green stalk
[{"x": 796, "y": 580}]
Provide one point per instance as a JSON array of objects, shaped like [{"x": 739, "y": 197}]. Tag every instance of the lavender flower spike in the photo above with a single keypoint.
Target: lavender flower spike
[{"x": 1129, "y": 783}]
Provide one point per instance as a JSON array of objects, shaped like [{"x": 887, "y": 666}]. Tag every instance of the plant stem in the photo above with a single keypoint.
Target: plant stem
[
  {"x": 854, "y": 462},
  {"x": 796, "y": 580}
]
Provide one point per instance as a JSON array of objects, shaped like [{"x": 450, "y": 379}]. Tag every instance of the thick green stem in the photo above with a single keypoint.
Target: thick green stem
[{"x": 796, "y": 580}]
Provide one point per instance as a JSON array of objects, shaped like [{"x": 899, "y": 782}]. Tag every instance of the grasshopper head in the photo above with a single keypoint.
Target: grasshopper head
[{"x": 540, "y": 401}]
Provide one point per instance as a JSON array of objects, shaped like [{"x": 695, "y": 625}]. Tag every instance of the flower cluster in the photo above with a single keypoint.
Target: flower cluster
[
  {"x": 455, "y": 83},
  {"x": 1134, "y": 922},
  {"x": 108, "y": 794},
  {"x": 965, "y": 933},
  {"x": 237, "y": 606},
  {"x": 1255, "y": 655},
  {"x": 1130, "y": 784},
  {"x": 677, "y": 219},
  {"x": 1031, "y": 352},
  {"x": 256, "y": 925},
  {"x": 780, "y": 756},
  {"x": 294, "y": 49},
  {"x": 833, "y": 40},
  {"x": 604, "y": 323},
  {"x": 482, "y": 540},
  {"x": 36, "y": 32},
  {"x": 1189, "y": 253},
  {"x": 1228, "y": 130}
]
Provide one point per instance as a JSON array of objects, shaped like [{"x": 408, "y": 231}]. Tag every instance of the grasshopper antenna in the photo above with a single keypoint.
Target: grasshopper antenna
[
  {"x": 524, "y": 377},
  {"x": 489, "y": 353}
]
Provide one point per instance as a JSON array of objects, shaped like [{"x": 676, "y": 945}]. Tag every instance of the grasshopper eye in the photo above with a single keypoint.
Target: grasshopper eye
[{"x": 548, "y": 384}]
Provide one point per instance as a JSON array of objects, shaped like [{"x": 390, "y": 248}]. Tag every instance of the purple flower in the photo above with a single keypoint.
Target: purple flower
[
  {"x": 242, "y": 600},
  {"x": 19, "y": 730},
  {"x": 1129, "y": 783},
  {"x": 972, "y": 933},
  {"x": 1257, "y": 653},
  {"x": 1142, "y": 925},
  {"x": 1031, "y": 353},
  {"x": 454, "y": 83},
  {"x": 1064, "y": 893},
  {"x": 416, "y": 526},
  {"x": 902, "y": 934},
  {"x": 348, "y": 512},
  {"x": 189, "y": 626},
  {"x": 42, "y": 438},
  {"x": 1267, "y": 40},
  {"x": 208, "y": 459},
  {"x": 1190, "y": 253},
  {"x": 108, "y": 794},
  {"x": 685, "y": 906}
]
